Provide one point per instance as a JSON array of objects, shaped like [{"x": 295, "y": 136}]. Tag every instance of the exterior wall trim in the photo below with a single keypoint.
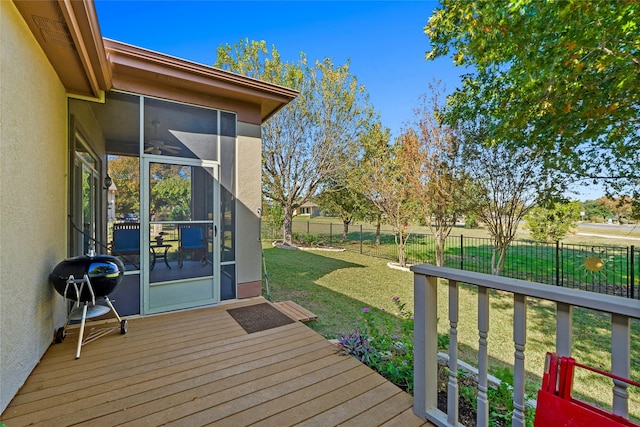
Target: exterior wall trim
[{"x": 249, "y": 289}]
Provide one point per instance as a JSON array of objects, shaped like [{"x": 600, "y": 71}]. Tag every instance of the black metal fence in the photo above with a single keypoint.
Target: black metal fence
[{"x": 605, "y": 269}]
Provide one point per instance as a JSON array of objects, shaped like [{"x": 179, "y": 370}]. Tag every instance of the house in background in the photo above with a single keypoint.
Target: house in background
[
  {"x": 77, "y": 108},
  {"x": 309, "y": 209}
]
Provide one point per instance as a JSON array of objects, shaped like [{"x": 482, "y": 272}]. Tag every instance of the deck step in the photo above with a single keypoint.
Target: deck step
[{"x": 295, "y": 311}]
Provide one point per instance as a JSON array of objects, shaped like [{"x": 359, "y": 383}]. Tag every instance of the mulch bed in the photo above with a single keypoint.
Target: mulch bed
[{"x": 259, "y": 317}]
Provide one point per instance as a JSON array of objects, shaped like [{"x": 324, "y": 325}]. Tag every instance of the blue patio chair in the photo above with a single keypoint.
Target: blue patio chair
[
  {"x": 191, "y": 240},
  {"x": 126, "y": 242}
]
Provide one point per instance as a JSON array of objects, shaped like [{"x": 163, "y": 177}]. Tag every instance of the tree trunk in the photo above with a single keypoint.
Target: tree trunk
[
  {"x": 345, "y": 230},
  {"x": 378, "y": 225},
  {"x": 401, "y": 257},
  {"x": 287, "y": 225},
  {"x": 401, "y": 239},
  {"x": 497, "y": 260},
  {"x": 439, "y": 243}
]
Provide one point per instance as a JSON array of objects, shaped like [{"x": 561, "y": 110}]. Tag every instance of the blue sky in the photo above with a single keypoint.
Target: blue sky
[{"x": 384, "y": 40}]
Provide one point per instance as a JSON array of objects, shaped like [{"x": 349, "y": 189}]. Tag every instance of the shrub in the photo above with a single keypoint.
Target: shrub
[
  {"x": 358, "y": 346},
  {"x": 305, "y": 239},
  {"x": 384, "y": 347},
  {"x": 552, "y": 223},
  {"x": 471, "y": 221},
  {"x": 387, "y": 347}
]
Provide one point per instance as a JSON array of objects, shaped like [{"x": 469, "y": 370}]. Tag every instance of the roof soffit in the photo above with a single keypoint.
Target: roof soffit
[
  {"x": 69, "y": 35},
  {"x": 131, "y": 62}
]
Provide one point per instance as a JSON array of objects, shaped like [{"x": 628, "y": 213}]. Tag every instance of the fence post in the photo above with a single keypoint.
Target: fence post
[
  {"x": 360, "y": 239},
  {"x": 632, "y": 267},
  {"x": 461, "y": 252},
  {"x": 557, "y": 263}
]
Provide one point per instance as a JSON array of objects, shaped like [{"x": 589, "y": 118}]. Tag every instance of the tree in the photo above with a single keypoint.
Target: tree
[
  {"x": 170, "y": 192},
  {"x": 125, "y": 172},
  {"x": 436, "y": 181},
  {"x": 553, "y": 222},
  {"x": 344, "y": 201},
  {"x": 384, "y": 169},
  {"x": 561, "y": 78},
  {"x": 507, "y": 183},
  {"x": 594, "y": 209},
  {"x": 310, "y": 139},
  {"x": 620, "y": 208}
]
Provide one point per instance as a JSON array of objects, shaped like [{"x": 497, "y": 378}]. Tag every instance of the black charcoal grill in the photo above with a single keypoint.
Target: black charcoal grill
[{"x": 81, "y": 281}]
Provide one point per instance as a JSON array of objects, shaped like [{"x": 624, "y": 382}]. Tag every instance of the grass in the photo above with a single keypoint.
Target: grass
[
  {"x": 337, "y": 285},
  {"x": 526, "y": 260}
]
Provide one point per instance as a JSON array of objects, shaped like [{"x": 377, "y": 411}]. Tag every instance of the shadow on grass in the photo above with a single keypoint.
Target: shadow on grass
[
  {"x": 294, "y": 275},
  {"x": 337, "y": 286}
]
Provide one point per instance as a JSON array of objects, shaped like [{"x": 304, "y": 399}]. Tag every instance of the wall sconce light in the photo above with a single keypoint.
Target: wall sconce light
[{"x": 107, "y": 182}]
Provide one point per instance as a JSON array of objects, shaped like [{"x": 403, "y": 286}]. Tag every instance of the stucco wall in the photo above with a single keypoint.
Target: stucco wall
[
  {"x": 248, "y": 256},
  {"x": 33, "y": 167}
]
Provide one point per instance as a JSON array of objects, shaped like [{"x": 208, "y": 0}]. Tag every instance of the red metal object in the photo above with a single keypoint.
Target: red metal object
[{"x": 557, "y": 408}]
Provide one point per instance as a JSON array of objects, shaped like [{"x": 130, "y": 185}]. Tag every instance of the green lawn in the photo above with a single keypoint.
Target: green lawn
[
  {"x": 338, "y": 285},
  {"x": 472, "y": 250}
]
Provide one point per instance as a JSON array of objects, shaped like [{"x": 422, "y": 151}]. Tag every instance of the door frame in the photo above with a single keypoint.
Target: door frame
[
  {"x": 145, "y": 222},
  {"x": 81, "y": 239}
]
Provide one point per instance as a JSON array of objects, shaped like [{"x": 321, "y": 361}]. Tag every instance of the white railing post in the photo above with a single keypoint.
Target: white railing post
[
  {"x": 620, "y": 364},
  {"x": 519, "y": 340},
  {"x": 419, "y": 342},
  {"x": 425, "y": 330},
  {"x": 564, "y": 335},
  {"x": 452, "y": 386},
  {"x": 483, "y": 356}
]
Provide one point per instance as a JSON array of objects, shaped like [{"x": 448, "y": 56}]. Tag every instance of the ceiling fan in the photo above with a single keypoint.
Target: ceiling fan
[{"x": 158, "y": 146}]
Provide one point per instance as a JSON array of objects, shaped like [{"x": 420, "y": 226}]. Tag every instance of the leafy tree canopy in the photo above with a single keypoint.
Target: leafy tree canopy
[
  {"x": 436, "y": 182},
  {"x": 553, "y": 222},
  {"x": 618, "y": 208},
  {"x": 560, "y": 77},
  {"x": 596, "y": 211}
]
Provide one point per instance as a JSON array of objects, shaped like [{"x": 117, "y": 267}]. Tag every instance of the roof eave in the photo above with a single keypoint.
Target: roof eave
[
  {"x": 69, "y": 35},
  {"x": 131, "y": 62}
]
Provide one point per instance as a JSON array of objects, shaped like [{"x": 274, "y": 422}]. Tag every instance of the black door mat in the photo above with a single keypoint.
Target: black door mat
[{"x": 258, "y": 317}]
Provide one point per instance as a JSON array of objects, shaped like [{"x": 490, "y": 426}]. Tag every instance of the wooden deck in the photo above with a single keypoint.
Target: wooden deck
[{"x": 199, "y": 367}]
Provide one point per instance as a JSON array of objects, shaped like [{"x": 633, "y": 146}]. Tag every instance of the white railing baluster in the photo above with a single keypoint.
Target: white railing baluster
[
  {"x": 519, "y": 340},
  {"x": 483, "y": 356},
  {"x": 620, "y": 365},
  {"x": 452, "y": 386},
  {"x": 564, "y": 321}
]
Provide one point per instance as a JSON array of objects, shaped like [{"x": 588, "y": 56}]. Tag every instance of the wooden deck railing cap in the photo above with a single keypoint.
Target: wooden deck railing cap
[{"x": 575, "y": 297}]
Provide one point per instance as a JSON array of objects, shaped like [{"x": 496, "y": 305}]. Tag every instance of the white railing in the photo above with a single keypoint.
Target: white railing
[{"x": 621, "y": 310}]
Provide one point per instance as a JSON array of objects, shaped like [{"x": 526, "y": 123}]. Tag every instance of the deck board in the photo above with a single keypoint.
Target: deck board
[
  {"x": 342, "y": 413},
  {"x": 295, "y": 311},
  {"x": 199, "y": 367}
]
